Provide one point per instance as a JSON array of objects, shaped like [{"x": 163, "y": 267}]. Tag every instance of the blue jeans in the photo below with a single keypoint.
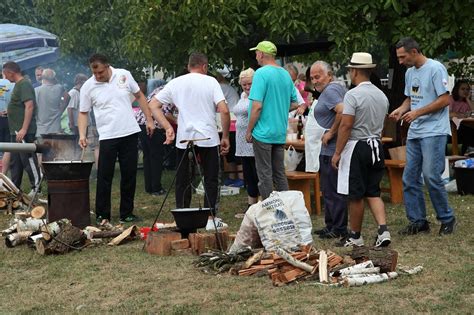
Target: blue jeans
[{"x": 425, "y": 156}]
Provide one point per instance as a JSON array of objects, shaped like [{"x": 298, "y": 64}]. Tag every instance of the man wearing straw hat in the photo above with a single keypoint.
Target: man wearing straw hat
[{"x": 359, "y": 153}]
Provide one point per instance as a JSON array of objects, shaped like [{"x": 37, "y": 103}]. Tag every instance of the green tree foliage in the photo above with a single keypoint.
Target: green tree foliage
[{"x": 162, "y": 33}]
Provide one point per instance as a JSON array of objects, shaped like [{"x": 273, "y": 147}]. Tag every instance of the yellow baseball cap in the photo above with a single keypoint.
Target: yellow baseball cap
[{"x": 266, "y": 47}]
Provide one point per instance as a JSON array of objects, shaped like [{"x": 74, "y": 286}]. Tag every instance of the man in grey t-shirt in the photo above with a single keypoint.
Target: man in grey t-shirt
[
  {"x": 327, "y": 113},
  {"x": 359, "y": 152},
  {"x": 50, "y": 105}
]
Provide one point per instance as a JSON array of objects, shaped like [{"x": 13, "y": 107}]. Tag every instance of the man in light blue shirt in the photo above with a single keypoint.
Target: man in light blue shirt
[
  {"x": 271, "y": 96},
  {"x": 425, "y": 108}
]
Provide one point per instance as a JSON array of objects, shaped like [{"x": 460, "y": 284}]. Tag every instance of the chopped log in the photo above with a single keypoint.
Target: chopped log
[
  {"x": 266, "y": 262},
  {"x": 292, "y": 275},
  {"x": 38, "y": 212},
  {"x": 356, "y": 269},
  {"x": 291, "y": 260},
  {"x": 15, "y": 204},
  {"x": 29, "y": 224},
  {"x": 105, "y": 234},
  {"x": 16, "y": 239},
  {"x": 8, "y": 184},
  {"x": 382, "y": 257},
  {"x": 3, "y": 204},
  {"x": 128, "y": 234},
  {"x": 323, "y": 267},
  {"x": 10, "y": 230},
  {"x": 253, "y": 259},
  {"x": 41, "y": 247},
  {"x": 368, "y": 279}
]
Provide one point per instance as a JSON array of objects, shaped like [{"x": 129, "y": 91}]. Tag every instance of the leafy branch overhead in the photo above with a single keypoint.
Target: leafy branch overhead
[{"x": 137, "y": 33}]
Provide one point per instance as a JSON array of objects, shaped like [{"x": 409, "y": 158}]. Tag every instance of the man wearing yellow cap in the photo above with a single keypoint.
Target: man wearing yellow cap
[{"x": 271, "y": 96}]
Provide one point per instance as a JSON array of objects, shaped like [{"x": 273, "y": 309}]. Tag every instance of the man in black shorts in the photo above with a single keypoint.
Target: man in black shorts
[{"x": 359, "y": 153}]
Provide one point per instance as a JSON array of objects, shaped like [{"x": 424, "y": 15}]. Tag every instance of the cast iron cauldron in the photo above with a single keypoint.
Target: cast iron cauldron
[
  {"x": 67, "y": 170},
  {"x": 190, "y": 219},
  {"x": 62, "y": 147}
]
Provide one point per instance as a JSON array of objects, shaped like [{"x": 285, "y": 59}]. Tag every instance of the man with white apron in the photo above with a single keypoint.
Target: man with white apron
[
  {"x": 359, "y": 152},
  {"x": 324, "y": 125}
]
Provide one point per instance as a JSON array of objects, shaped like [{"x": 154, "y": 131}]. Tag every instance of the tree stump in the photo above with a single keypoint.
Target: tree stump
[
  {"x": 69, "y": 237},
  {"x": 382, "y": 257}
]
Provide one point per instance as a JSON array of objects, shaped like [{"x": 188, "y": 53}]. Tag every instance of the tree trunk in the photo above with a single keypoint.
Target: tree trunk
[
  {"x": 384, "y": 257},
  {"x": 105, "y": 234}
]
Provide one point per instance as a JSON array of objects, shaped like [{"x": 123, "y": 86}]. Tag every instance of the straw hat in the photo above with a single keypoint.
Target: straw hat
[{"x": 361, "y": 60}]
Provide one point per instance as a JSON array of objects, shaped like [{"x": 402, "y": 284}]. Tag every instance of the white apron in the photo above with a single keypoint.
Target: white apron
[
  {"x": 345, "y": 162},
  {"x": 313, "y": 134},
  {"x": 345, "y": 167}
]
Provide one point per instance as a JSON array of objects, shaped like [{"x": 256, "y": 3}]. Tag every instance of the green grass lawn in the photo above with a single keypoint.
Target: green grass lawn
[{"x": 124, "y": 279}]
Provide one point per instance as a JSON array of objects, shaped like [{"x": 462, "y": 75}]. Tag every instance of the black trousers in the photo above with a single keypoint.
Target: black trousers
[
  {"x": 153, "y": 151},
  {"x": 335, "y": 205},
  {"x": 250, "y": 175},
  {"x": 28, "y": 162},
  {"x": 126, "y": 150},
  {"x": 209, "y": 160}
]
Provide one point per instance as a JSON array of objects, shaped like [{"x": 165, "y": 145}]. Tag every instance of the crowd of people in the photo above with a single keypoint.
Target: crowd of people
[{"x": 346, "y": 128}]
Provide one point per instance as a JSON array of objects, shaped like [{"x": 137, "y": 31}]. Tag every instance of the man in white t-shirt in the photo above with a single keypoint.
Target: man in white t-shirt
[
  {"x": 198, "y": 97},
  {"x": 111, "y": 92}
]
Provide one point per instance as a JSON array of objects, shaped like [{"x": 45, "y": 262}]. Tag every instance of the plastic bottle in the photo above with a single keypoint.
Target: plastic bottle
[{"x": 300, "y": 127}]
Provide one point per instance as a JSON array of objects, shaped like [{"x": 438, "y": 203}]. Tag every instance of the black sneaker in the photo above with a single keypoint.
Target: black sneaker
[
  {"x": 414, "y": 228},
  {"x": 161, "y": 192},
  {"x": 447, "y": 228},
  {"x": 322, "y": 231},
  {"x": 130, "y": 218},
  {"x": 332, "y": 234}
]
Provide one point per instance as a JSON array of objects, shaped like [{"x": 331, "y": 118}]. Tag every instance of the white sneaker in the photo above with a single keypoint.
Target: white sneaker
[
  {"x": 383, "y": 239},
  {"x": 219, "y": 224},
  {"x": 349, "y": 241}
]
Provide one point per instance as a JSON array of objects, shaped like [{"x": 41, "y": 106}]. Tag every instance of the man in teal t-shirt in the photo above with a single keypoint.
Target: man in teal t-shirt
[{"x": 271, "y": 96}]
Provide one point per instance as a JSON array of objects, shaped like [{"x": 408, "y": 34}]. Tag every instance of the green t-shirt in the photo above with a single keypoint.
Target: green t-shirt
[{"x": 22, "y": 92}]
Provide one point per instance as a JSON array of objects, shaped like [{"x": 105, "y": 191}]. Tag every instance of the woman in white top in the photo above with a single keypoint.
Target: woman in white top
[{"x": 244, "y": 149}]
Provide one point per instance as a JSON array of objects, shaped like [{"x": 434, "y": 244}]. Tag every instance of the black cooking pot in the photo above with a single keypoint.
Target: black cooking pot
[
  {"x": 67, "y": 170},
  {"x": 189, "y": 219}
]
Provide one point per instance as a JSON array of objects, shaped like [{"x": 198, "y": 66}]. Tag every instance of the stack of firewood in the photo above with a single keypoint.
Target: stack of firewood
[
  {"x": 61, "y": 236},
  {"x": 364, "y": 265},
  {"x": 12, "y": 198},
  {"x": 283, "y": 267}
]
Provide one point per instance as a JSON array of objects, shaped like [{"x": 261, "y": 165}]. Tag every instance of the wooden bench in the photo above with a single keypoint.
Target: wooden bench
[
  {"x": 302, "y": 181},
  {"x": 395, "y": 173}
]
